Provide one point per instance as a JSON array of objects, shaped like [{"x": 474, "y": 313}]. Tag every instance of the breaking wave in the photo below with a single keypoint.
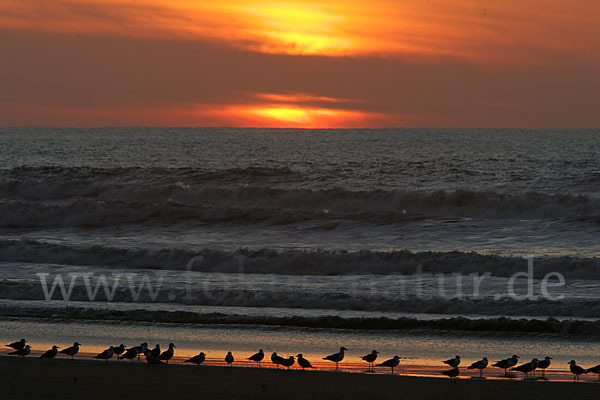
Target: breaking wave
[
  {"x": 53, "y": 196},
  {"x": 311, "y": 299},
  {"x": 491, "y": 326},
  {"x": 295, "y": 262}
]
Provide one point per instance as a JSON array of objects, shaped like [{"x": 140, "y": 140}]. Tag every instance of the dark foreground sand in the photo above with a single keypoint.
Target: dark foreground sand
[{"x": 87, "y": 379}]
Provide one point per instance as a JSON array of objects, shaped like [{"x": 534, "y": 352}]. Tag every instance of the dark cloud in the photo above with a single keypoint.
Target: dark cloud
[{"x": 72, "y": 71}]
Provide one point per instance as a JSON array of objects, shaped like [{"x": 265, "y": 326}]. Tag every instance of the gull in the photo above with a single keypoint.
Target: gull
[
  {"x": 50, "y": 353},
  {"x": 392, "y": 362},
  {"x": 288, "y": 362},
  {"x": 543, "y": 364},
  {"x": 303, "y": 362},
  {"x": 480, "y": 365},
  {"x": 120, "y": 349},
  {"x": 229, "y": 358},
  {"x": 106, "y": 354},
  {"x": 528, "y": 367},
  {"x": 22, "y": 352},
  {"x": 258, "y": 357},
  {"x": 595, "y": 370},
  {"x": 199, "y": 359},
  {"x": 507, "y": 363},
  {"x": 451, "y": 373},
  {"x": 370, "y": 358},
  {"x": 513, "y": 361},
  {"x": 71, "y": 351},
  {"x": 20, "y": 345},
  {"x": 336, "y": 357},
  {"x": 275, "y": 359},
  {"x": 576, "y": 370},
  {"x": 151, "y": 360},
  {"x": 155, "y": 352},
  {"x": 130, "y": 354},
  {"x": 453, "y": 362},
  {"x": 167, "y": 354},
  {"x": 141, "y": 349}
]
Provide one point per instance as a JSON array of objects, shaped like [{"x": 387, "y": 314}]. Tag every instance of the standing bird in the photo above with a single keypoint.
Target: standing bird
[
  {"x": 576, "y": 370},
  {"x": 336, "y": 357},
  {"x": 370, "y": 358},
  {"x": 199, "y": 359},
  {"x": 392, "y": 362},
  {"x": 595, "y": 370},
  {"x": 120, "y": 349},
  {"x": 50, "y": 353},
  {"x": 106, "y": 354},
  {"x": 25, "y": 351},
  {"x": 229, "y": 358},
  {"x": 258, "y": 357},
  {"x": 167, "y": 354},
  {"x": 451, "y": 373},
  {"x": 288, "y": 362},
  {"x": 453, "y": 362},
  {"x": 528, "y": 368},
  {"x": 276, "y": 359},
  {"x": 543, "y": 364},
  {"x": 507, "y": 363},
  {"x": 155, "y": 352},
  {"x": 20, "y": 345},
  {"x": 71, "y": 351},
  {"x": 513, "y": 361},
  {"x": 303, "y": 362},
  {"x": 480, "y": 365},
  {"x": 130, "y": 354},
  {"x": 141, "y": 349}
]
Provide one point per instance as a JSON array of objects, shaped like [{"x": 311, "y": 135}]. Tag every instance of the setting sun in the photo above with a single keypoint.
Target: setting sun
[{"x": 292, "y": 114}]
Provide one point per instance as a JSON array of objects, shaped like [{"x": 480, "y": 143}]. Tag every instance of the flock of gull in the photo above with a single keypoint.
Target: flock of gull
[
  {"x": 154, "y": 356},
  {"x": 510, "y": 364}
]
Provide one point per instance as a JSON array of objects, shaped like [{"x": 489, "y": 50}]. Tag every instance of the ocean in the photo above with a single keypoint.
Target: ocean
[{"x": 352, "y": 232}]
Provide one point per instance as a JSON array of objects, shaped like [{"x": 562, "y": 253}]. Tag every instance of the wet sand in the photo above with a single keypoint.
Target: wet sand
[{"x": 66, "y": 379}]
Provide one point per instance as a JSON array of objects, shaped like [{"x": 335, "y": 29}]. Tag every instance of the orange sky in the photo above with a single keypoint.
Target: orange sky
[{"x": 326, "y": 64}]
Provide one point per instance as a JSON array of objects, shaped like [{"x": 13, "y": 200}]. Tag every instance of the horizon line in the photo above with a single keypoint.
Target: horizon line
[{"x": 288, "y": 127}]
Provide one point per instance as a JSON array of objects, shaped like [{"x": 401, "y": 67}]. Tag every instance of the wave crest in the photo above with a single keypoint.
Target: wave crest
[
  {"x": 493, "y": 326},
  {"x": 281, "y": 192},
  {"x": 295, "y": 262}
]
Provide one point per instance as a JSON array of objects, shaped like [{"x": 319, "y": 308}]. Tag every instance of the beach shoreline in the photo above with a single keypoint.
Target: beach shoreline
[
  {"x": 63, "y": 378},
  {"x": 420, "y": 353}
]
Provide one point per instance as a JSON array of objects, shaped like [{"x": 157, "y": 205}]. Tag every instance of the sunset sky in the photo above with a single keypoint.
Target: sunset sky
[{"x": 325, "y": 64}]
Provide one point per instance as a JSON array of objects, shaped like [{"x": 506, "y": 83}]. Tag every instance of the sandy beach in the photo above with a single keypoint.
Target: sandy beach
[{"x": 66, "y": 379}]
